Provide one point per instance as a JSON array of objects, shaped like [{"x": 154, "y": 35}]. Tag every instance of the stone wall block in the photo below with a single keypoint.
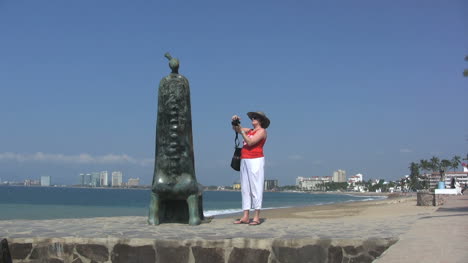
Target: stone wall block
[
  {"x": 353, "y": 251},
  {"x": 361, "y": 259},
  {"x": 377, "y": 251},
  {"x": 310, "y": 253},
  {"x": 54, "y": 260},
  {"x": 20, "y": 250},
  {"x": 249, "y": 255},
  {"x": 39, "y": 252},
  {"x": 94, "y": 252},
  {"x": 123, "y": 253},
  {"x": 211, "y": 255},
  {"x": 335, "y": 254},
  {"x": 76, "y": 259},
  {"x": 172, "y": 254},
  {"x": 425, "y": 199}
]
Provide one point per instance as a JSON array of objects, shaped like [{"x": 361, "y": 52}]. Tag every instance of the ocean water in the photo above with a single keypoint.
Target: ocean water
[{"x": 18, "y": 202}]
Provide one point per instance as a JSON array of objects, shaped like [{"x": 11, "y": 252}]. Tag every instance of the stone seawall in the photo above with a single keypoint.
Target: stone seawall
[
  {"x": 97, "y": 250},
  {"x": 353, "y": 232}
]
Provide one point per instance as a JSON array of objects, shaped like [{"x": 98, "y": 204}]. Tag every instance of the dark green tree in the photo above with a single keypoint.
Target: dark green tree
[
  {"x": 445, "y": 164},
  {"x": 456, "y": 161},
  {"x": 333, "y": 186},
  {"x": 424, "y": 165},
  {"x": 435, "y": 164},
  {"x": 413, "y": 183},
  {"x": 465, "y": 72}
]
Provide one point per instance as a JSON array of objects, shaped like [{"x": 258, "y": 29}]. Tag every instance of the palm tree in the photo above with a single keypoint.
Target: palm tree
[
  {"x": 456, "y": 161},
  {"x": 445, "y": 164},
  {"x": 435, "y": 164},
  {"x": 424, "y": 165},
  {"x": 414, "y": 176}
]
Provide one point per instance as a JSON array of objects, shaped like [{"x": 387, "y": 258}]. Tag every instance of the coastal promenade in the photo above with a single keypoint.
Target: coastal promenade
[
  {"x": 349, "y": 232},
  {"x": 441, "y": 236}
]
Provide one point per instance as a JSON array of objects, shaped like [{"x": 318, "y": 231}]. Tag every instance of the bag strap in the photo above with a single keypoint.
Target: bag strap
[{"x": 236, "y": 140}]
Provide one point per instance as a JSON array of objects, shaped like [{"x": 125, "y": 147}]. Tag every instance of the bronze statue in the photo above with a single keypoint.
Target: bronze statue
[{"x": 176, "y": 196}]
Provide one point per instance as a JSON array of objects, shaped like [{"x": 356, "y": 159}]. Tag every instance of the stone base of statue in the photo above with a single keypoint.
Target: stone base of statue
[{"x": 173, "y": 209}]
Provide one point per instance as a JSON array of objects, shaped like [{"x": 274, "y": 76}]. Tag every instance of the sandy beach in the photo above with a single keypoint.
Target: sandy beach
[{"x": 394, "y": 205}]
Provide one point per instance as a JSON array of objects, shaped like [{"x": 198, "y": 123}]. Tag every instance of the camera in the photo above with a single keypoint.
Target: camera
[{"x": 235, "y": 122}]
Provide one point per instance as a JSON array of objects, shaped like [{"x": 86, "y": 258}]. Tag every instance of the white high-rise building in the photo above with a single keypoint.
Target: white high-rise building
[
  {"x": 103, "y": 178},
  {"x": 45, "y": 180},
  {"x": 117, "y": 178},
  {"x": 339, "y": 176}
]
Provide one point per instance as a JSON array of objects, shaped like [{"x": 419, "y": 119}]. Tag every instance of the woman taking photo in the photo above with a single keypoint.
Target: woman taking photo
[{"x": 252, "y": 165}]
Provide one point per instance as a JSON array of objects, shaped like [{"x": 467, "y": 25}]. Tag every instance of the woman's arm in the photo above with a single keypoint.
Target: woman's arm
[{"x": 256, "y": 138}]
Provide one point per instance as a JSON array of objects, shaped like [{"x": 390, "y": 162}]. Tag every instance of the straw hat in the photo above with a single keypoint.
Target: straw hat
[{"x": 264, "y": 121}]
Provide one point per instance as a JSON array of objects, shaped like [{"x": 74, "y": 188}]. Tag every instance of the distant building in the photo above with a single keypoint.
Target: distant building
[
  {"x": 133, "y": 182},
  {"x": 29, "y": 182},
  {"x": 270, "y": 184},
  {"x": 312, "y": 183},
  {"x": 339, "y": 176},
  {"x": 103, "y": 179},
  {"x": 82, "y": 179},
  {"x": 45, "y": 180},
  {"x": 355, "y": 179},
  {"x": 85, "y": 179},
  {"x": 95, "y": 179},
  {"x": 460, "y": 177},
  {"x": 117, "y": 179},
  {"x": 236, "y": 186}
]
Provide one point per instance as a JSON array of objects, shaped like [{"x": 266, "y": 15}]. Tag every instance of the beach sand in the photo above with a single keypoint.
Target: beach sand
[{"x": 394, "y": 206}]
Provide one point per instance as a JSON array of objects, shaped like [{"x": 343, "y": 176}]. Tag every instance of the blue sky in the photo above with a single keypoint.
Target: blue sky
[{"x": 363, "y": 86}]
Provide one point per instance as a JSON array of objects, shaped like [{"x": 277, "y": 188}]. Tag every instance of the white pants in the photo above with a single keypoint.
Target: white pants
[{"x": 252, "y": 180}]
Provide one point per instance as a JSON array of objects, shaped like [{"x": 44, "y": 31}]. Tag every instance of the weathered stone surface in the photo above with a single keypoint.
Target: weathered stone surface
[
  {"x": 39, "y": 252},
  {"x": 5, "y": 256},
  {"x": 335, "y": 254},
  {"x": 353, "y": 251},
  {"x": 54, "y": 260},
  {"x": 123, "y": 253},
  {"x": 425, "y": 199},
  {"x": 249, "y": 255},
  {"x": 172, "y": 254},
  {"x": 51, "y": 250},
  {"x": 377, "y": 251},
  {"x": 93, "y": 252},
  {"x": 361, "y": 259},
  {"x": 76, "y": 259},
  {"x": 212, "y": 255},
  {"x": 311, "y": 253},
  {"x": 19, "y": 250}
]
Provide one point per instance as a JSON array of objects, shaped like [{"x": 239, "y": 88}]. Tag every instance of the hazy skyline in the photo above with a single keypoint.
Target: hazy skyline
[{"x": 362, "y": 86}]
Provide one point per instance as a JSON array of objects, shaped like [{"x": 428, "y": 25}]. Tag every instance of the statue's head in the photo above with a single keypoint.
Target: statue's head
[{"x": 173, "y": 63}]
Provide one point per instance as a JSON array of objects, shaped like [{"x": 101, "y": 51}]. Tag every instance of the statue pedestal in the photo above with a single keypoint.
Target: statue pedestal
[{"x": 441, "y": 185}]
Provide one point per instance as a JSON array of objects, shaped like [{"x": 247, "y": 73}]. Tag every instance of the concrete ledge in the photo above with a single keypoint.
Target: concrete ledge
[
  {"x": 434, "y": 199},
  {"x": 447, "y": 191},
  {"x": 78, "y": 250},
  {"x": 351, "y": 232}
]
